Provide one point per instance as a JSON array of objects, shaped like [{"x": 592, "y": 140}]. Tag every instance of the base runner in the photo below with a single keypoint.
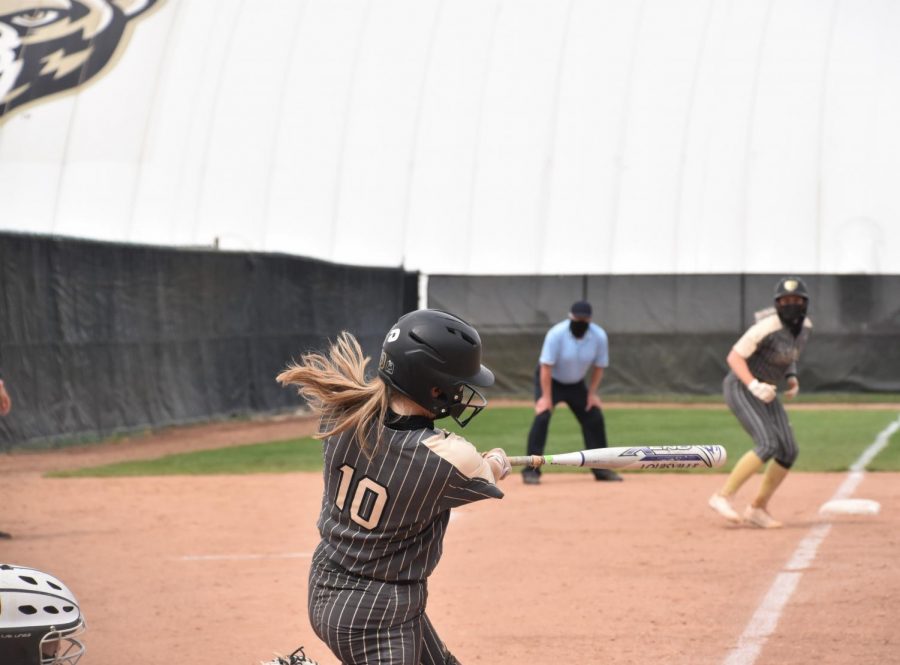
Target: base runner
[{"x": 763, "y": 357}]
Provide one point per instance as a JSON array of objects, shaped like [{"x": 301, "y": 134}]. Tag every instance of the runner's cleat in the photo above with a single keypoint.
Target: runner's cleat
[
  {"x": 759, "y": 517},
  {"x": 723, "y": 506}
]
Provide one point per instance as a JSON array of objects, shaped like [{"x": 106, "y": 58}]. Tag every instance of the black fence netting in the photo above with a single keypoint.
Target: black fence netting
[
  {"x": 99, "y": 338},
  {"x": 671, "y": 333}
]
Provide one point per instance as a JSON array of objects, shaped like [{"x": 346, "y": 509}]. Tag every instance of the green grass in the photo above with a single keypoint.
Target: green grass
[
  {"x": 829, "y": 441},
  {"x": 272, "y": 457},
  {"x": 805, "y": 397}
]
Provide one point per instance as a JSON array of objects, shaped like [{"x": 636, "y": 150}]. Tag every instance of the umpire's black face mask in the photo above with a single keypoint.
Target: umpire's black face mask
[{"x": 578, "y": 327}]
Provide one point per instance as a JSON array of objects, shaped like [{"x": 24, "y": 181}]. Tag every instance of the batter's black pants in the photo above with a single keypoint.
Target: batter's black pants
[
  {"x": 370, "y": 621},
  {"x": 593, "y": 427}
]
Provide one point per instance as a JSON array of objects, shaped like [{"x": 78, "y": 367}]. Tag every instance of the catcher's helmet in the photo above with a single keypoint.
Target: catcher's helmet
[
  {"x": 429, "y": 349},
  {"x": 39, "y": 619}
]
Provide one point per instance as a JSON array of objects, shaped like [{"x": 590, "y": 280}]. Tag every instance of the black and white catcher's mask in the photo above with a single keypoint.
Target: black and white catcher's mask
[{"x": 39, "y": 619}]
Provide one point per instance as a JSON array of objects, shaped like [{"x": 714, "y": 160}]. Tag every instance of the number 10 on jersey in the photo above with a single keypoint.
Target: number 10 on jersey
[{"x": 369, "y": 498}]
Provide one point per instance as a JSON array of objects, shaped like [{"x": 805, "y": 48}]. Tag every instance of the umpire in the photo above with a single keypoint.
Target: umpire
[{"x": 570, "y": 348}]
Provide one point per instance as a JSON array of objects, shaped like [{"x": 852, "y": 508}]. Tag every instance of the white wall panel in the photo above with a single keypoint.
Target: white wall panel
[
  {"x": 32, "y": 159},
  {"x": 860, "y": 229},
  {"x": 305, "y": 180},
  {"x": 717, "y": 145},
  {"x": 484, "y": 136},
  {"x": 250, "y": 78},
  {"x": 667, "y": 47},
  {"x": 595, "y": 119},
  {"x": 167, "y": 193},
  {"x": 785, "y": 152},
  {"x": 374, "y": 173},
  {"x": 510, "y": 173},
  {"x": 438, "y": 227}
]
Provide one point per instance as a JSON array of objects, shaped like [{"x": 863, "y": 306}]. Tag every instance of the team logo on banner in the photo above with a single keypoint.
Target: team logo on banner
[{"x": 52, "y": 46}]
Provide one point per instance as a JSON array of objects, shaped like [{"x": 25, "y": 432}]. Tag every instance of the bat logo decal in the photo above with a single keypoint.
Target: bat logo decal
[{"x": 707, "y": 455}]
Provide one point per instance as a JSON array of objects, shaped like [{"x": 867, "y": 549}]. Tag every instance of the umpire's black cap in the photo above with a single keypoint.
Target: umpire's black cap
[{"x": 581, "y": 308}]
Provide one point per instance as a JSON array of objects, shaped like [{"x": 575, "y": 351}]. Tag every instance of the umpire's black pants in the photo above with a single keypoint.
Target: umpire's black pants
[{"x": 593, "y": 427}]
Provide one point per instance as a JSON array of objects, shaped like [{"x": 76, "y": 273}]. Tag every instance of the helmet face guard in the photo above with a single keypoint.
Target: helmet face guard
[
  {"x": 59, "y": 647},
  {"x": 434, "y": 359},
  {"x": 464, "y": 401}
]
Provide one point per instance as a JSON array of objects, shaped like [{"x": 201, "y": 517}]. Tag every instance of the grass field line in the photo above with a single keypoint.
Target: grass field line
[{"x": 764, "y": 620}]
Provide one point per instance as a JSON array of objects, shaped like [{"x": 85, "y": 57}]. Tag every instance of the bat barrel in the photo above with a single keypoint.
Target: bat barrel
[{"x": 676, "y": 456}]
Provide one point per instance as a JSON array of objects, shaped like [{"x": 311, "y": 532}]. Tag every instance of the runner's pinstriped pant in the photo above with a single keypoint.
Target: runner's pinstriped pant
[
  {"x": 767, "y": 424},
  {"x": 370, "y": 621}
]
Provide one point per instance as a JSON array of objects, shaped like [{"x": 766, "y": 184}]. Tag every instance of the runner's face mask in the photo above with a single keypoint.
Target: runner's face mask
[{"x": 792, "y": 311}]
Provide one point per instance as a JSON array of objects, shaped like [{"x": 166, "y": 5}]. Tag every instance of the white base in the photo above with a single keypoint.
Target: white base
[{"x": 850, "y": 507}]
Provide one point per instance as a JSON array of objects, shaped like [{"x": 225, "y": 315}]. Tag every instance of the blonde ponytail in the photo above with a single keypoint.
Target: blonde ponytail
[{"x": 336, "y": 389}]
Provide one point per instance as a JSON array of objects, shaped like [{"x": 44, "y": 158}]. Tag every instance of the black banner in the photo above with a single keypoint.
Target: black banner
[
  {"x": 671, "y": 333},
  {"x": 100, "y": 338}
]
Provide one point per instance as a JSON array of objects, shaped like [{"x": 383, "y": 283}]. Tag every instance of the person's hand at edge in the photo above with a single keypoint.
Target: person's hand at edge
[{"x": 5, "y": 401}]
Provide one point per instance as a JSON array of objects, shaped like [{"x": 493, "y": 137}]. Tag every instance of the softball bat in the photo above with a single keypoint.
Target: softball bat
[{"x": 634, "y": 457}]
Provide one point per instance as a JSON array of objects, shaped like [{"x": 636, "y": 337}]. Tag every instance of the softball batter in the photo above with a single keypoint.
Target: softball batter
[
  {"x": 391, "y": 479},
  {"x": 767, "y": 353}
]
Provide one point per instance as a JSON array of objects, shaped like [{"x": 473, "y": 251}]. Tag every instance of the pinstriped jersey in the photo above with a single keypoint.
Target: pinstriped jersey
[
  {"x": 384, "y": 518},
  {"x": 770, "y": 348}
]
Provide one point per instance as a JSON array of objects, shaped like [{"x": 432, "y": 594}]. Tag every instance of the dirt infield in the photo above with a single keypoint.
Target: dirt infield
[{"x": 213, "y": 569}]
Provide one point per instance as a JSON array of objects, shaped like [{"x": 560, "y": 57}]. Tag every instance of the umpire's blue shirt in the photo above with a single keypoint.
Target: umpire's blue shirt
[{"x": 569, "y": 356}]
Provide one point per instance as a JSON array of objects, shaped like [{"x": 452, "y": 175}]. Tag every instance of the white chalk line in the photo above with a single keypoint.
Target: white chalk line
[
  {"x": 765, "y": 618},
  {"x": 243, "y": 557}
]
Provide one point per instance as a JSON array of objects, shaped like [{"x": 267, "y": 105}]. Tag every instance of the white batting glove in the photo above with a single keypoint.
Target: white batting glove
[
  {"x": 762, "y": 391},
  {"x": 499, "y": 455},
  {"x": 793, "y": 387}
]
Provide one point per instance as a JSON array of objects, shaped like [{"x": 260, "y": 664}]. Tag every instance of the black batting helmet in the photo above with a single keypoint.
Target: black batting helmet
[
  {"x": 791, "y": 286},
  {"x": 428, "y": 349}
]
